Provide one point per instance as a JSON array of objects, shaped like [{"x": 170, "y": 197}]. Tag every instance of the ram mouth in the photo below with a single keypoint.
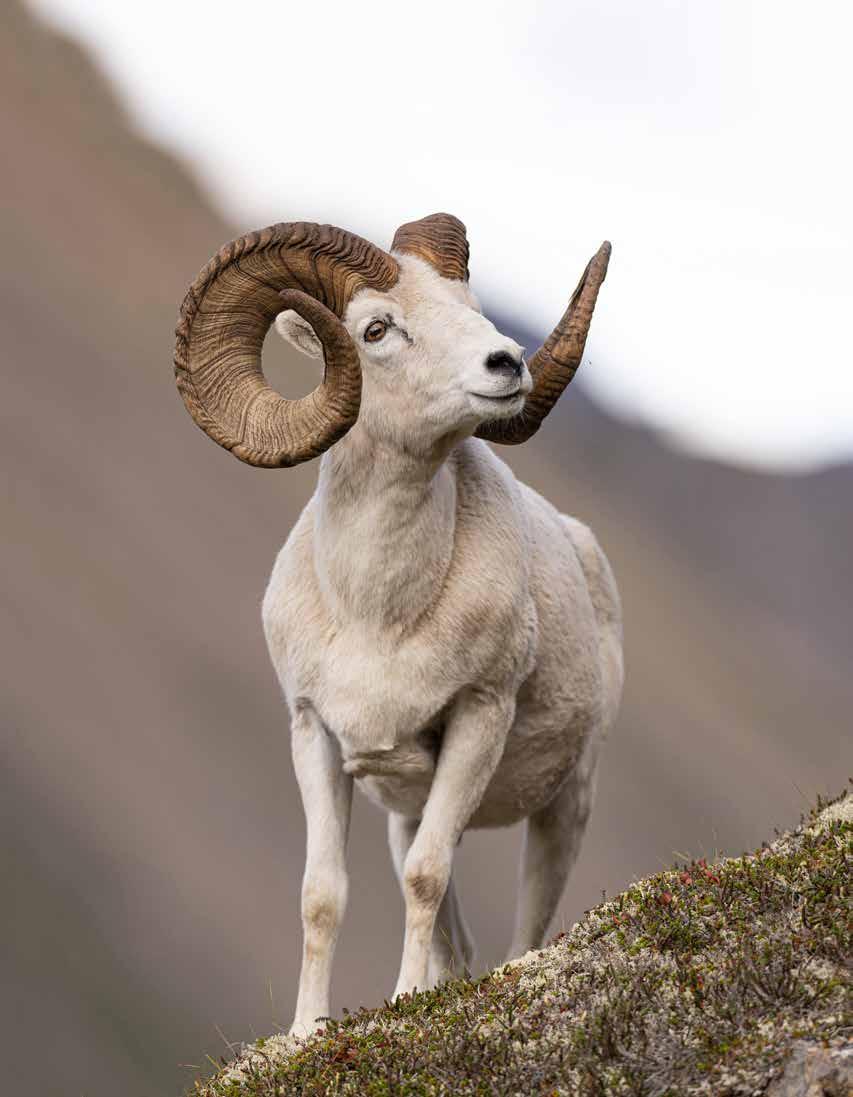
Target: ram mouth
[{"x": 507, "y": 397}]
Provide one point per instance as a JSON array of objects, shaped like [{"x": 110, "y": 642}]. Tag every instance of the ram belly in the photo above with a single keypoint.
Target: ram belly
[{"x": 542, "y": 752}]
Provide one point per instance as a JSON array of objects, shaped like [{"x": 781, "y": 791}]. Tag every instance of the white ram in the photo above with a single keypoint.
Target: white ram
[{"x": 443, "y": 636}]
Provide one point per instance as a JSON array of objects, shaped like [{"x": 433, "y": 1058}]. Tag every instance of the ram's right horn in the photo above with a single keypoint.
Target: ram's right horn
[{"x": 313, "y": 269}]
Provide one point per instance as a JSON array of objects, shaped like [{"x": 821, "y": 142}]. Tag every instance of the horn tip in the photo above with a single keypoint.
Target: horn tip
[{"x": 601, "y": 260}]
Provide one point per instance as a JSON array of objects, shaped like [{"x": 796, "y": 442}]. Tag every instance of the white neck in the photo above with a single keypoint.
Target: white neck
[{"x": 384, "y": 528}]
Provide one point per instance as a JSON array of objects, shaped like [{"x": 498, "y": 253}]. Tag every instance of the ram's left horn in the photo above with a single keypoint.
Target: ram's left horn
[{"x": 555, "y": 363}]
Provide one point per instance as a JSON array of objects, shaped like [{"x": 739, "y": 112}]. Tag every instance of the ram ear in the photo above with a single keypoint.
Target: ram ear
[{"x": 293, "y": 329}]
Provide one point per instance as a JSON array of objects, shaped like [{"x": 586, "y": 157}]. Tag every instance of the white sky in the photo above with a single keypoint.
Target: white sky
[{"x": 708, "y": 139}]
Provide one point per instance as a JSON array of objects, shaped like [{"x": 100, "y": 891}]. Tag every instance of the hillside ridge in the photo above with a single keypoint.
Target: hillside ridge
[{"x": 721, "y": 978}]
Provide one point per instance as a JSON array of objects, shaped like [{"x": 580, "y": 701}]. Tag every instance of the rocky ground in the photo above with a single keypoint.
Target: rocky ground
[{"x": 729, "y": 979}]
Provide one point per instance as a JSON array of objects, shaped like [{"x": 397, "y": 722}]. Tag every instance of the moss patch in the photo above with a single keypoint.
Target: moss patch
[{"x": 698, "y": 980}]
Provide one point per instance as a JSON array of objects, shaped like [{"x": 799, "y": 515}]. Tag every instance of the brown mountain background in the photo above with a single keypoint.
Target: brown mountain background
[{"x": 152, "y": 835}]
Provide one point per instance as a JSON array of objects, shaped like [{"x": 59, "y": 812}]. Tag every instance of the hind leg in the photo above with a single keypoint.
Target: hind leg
[
  {"x": 551, "y": 843},
  {"x": 452, "y": 947}
]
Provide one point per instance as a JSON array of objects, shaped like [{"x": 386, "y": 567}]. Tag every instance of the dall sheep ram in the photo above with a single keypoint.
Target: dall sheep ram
[{"x": 443, "y": 636}]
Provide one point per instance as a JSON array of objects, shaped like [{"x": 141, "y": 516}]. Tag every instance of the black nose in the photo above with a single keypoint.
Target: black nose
[{"x": 502, "y": 362}]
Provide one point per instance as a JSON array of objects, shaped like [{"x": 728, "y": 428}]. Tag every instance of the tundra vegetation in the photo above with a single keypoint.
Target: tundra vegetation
[{"x": 727, "y": 978}]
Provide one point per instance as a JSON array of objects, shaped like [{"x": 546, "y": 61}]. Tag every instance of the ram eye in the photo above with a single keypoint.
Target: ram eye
[{"x": 375, "y": 331}]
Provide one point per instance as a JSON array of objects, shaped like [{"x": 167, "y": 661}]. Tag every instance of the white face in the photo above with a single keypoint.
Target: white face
[{"x": 432, "y": 364}]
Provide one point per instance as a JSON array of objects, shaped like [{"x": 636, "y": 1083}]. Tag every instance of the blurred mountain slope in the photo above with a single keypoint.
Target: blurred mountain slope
[{"x": 152, "y": 834}]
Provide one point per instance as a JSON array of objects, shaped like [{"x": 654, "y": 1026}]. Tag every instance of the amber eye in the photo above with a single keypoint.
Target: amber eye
[{"x": 375, "y": 331}]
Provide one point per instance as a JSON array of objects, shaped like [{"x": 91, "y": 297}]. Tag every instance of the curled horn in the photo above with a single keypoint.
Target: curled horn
[
  {"x": 555, "y": 363},
  {"x": 439, "y": 240},
  {"x": 313, "y": 269}
]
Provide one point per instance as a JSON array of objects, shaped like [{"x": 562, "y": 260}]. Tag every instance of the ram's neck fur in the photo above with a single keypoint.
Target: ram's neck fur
[{"x": 385, "y": 519}]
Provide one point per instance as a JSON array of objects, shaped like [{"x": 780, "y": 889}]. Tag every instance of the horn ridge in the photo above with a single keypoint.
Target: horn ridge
[{"x": 439, "y": 240}]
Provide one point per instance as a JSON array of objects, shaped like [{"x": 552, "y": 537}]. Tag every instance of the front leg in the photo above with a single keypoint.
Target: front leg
[
  {"x": 472, "y": 747},
  {"x": 326, "y": 799}
]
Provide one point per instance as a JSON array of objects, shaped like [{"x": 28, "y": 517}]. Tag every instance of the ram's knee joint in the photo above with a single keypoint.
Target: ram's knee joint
[
  {"x": 426, "y": 883},
  {"x": 323, "y": 907}
]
